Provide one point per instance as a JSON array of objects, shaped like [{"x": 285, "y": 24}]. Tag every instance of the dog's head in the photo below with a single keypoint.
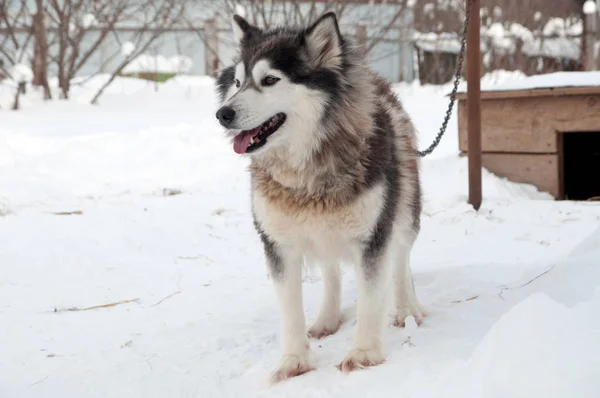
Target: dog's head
[{"x": 280, "y": 85}]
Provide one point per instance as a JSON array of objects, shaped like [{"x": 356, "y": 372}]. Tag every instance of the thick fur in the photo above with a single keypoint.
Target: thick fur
[{"x": 337, "y": 183}]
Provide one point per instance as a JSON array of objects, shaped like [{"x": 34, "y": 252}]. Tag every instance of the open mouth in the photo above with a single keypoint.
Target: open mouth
[{"x": 250, "y": 140}]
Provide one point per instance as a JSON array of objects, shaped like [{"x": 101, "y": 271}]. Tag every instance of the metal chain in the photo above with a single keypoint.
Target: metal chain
[{"x": 461, "y": 57}]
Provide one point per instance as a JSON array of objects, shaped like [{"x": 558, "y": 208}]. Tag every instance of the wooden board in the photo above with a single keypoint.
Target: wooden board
[
  {"x": 536, "y": 92},
  {"x": 539, "y": 170},
  {"x": 530, "y": 125}
]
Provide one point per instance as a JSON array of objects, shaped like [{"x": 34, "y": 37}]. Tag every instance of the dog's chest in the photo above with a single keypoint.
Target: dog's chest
[{"x": 316, "y": 232}]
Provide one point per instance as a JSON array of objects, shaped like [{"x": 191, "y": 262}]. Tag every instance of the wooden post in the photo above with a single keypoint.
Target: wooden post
[
  {"x": 590, "y": 11},
  {"x": 407, "y": 46},
  {"x": 211, "y": 47},
  {"x": 474, "y": 104}
]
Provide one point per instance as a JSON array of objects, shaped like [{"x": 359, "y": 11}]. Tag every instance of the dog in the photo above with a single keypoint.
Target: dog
[{"x": 334, "y": 179}]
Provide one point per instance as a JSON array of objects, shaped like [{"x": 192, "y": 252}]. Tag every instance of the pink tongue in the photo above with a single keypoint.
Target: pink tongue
[{"x": 241, "y": 142}]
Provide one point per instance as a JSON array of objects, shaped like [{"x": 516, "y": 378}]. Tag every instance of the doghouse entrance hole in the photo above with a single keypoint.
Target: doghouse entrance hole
[{"x": 581, "y": 162}]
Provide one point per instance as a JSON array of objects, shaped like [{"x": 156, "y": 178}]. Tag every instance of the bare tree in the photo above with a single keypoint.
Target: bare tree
[
  {"x": 16, "y": 31},
  {"x": 17, "y": 34},
  {"x": 446, "y": 15},
  {"x": 378, "y": 16},
  {"x": 159, "y": 16},
  {"x": 76, "y": 20},
  {"x": 40, "y": 51},
  {"x": 268, "y": 13}
]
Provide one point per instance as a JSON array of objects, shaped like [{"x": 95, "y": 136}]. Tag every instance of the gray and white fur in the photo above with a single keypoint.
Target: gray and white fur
[{"x": 336, "y": 182}]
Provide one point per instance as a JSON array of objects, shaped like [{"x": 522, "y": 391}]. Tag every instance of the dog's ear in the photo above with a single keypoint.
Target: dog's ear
[
  {"x": 324, "y": 41},
  {"x": 241, "y": 28}
]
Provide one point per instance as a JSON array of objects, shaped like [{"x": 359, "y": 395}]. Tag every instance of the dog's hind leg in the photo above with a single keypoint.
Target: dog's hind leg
[
  {"x": 374, "y": 276},
  {"x": 407, "y": 303},
  {"x": 329, "y": 318},
  {"x": 285, "y": 268}
]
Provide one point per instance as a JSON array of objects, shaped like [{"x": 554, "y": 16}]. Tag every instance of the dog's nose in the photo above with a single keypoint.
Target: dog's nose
[{"x": 225, "y": 115}]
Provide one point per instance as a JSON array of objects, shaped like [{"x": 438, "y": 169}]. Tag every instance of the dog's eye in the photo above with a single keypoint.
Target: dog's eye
[
  {"x": 270, "y": 80},
  {"x": 237, "y": 83}
]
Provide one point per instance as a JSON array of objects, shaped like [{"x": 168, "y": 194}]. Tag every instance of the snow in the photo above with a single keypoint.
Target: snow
[
  {"x": 21, "y": 73},
  {"x": 158, "y": 63},
  {"x": 88, "y": 20},
  {"x": 554, "y": 27},
  {"x": 499, "y": 38},
  {"x": 494, "y": 80},
  {"x": 555, "y": 47},
  {"x": 513, "y": 289},
  {"x": 440, "y": 42},
  {"x": 429, "y": 8},
  {"x": 240, "y": 10},
  {"x": 548, "y": 80},
  {"x": 559, "y": 39},
  {"x": 590, "y": 7},
  {"x": 523, "y": 335},
  {"x": 561, "y": 28},
  {"x": 521, "y": 32},
  {"x": 127, "y": 48},
  {"x": 575, "y": 29}
]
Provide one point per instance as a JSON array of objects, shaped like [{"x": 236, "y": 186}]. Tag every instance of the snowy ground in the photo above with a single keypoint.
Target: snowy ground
[{"x": 164, "y": 220}]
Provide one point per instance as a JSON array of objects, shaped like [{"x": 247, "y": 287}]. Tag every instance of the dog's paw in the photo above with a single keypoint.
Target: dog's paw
[
  {"x": 360, "y": 359},
  {"x": 291, "y": 366},
  {"x": 324, "y": 327},
  {"x": 418, "y": 313}
]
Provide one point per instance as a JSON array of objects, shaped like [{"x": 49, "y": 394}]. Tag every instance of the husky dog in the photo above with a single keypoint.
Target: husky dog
[{"x": 334, "y": 176}]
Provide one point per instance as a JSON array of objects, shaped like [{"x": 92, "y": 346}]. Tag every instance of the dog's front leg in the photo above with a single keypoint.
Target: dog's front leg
[
  {"x": 329, "y": 319},
  {"x": 374, "y": 283},
  {"x": 285, "y": 266}
]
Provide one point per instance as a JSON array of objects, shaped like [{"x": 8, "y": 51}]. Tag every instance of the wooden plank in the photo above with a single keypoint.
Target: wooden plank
[
  {"x": 211, "y": 47},
  {"x": 523, "y": 125},
  {"x": 561, "y": 165},
  {"x": 474, "y": 102},
  {"x": 539, "y": 170},
  {"x": 537, "y": 92}
]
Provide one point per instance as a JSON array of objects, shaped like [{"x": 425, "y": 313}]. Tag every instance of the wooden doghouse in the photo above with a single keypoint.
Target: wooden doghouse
[{"x": 543, "y": 130}]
